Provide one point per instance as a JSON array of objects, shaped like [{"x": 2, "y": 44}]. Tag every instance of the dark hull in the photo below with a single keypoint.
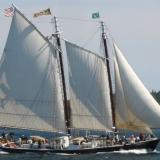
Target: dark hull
[{"x": 150, "y": 145}]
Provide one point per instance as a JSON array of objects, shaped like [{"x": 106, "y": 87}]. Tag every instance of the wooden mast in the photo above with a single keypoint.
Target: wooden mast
[
  {"x": 104, "y": 37},
  {"x": 66, "y": 103}
]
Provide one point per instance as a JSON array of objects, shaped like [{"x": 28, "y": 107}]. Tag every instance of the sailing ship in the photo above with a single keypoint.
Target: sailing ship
[{"x": 33, "y": 94}]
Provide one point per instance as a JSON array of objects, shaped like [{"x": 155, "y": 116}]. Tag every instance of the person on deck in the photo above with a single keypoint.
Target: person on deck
[
  {"x": 141, "y": 136},
  {"x": 132, "y": 139}
]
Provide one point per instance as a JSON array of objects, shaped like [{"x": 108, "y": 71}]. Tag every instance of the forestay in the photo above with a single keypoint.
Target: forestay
[
  {"x": 136, "y": 108},
  {"x": 30, "y": 94},
  {"x": 89, "y": 89}
]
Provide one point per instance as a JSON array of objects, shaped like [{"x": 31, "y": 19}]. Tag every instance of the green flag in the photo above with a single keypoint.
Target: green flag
[{"x": 95, "y": 15}]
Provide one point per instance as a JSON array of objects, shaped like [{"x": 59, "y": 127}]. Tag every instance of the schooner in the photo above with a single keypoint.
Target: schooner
[{"x": 33, "y": 92}]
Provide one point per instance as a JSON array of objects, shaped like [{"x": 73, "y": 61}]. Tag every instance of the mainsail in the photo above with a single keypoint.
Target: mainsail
[
  {"x": 30, "y": 93},
  {"x": 89, "y": 89},
  {"x": 136, "y": 109}
]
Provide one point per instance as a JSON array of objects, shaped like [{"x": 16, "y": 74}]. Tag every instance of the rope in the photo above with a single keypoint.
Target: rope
[
  {"x": 92, "y": 36},
  {"x": 78, "y": 19}
]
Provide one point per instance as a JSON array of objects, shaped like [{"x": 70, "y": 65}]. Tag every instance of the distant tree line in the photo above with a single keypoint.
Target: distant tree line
[{"x": 156, "y": 95}]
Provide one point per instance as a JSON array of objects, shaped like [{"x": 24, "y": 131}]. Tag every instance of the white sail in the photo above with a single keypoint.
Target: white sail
[
  {"x": 125, "y": 118},
  {"x": 134, "y": 103},
  {"x": 30, "y": 94},
  {"x": 89, "y": 89}
]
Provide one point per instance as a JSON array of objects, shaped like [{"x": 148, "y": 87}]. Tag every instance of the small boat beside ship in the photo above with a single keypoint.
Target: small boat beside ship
[{"x": 33, "y": 94}]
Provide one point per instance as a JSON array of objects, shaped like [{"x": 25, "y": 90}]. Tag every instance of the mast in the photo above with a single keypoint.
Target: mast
[
  {"x": 66, "y": 102},
  {"x": 104, "y": 37}
]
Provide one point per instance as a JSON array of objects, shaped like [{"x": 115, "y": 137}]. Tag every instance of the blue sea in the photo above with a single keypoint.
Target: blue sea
[{"x": 120, "y": 155}]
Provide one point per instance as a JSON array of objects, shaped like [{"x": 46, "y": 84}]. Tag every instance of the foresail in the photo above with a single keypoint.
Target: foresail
[
  {"x": 89, "y": 89},
  {"x": 30, "y": 94},
  {"x": 134, "y": 104}
]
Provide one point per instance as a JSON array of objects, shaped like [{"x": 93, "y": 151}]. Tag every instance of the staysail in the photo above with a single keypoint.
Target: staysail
[
  {"x": 30, "y": 93},
  {"x": 135, "y": 107},
  {"x": 89, "y": 89}
]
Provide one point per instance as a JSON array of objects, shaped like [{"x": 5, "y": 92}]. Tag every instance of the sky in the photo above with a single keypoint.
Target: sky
[{"x": 135, "y": 26}]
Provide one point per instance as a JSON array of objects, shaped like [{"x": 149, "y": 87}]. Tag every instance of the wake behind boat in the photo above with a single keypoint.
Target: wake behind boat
[{"x": 33, "y": 94}]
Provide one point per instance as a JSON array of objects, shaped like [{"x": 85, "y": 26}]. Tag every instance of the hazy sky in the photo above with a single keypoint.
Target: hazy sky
[{"x": 135, "y": 26}]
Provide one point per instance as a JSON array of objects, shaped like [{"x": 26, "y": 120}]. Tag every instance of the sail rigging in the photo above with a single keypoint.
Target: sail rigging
[
  {"x": 89, "y": 89},
  {"x": 31, "y": 95},
  {"x": 134, "y": 104},
  {"x": 30, "y": 90}
]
